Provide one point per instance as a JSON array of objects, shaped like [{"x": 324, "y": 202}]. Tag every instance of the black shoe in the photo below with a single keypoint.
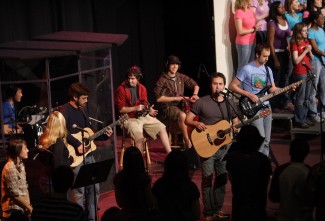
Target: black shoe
[
  {"x": 302, "y": 125},
  {"x": 221, "y": 216}
]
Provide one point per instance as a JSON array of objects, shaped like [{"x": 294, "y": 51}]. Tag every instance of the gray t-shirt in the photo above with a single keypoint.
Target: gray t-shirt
[{"x": 210, "y": 111}]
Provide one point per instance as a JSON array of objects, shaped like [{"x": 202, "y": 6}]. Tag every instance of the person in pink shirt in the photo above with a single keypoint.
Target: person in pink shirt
[
  {"x": 246, "y": 27},
  {"x": 262, "y": 13}
]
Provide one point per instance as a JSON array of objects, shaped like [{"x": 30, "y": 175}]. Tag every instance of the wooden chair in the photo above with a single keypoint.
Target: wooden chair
[{"x": 145, "y": 148}]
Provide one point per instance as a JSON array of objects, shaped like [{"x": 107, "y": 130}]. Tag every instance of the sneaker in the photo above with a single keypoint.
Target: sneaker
[
  {"x": 302, "y": 125},
  {"x": 208, "y": 218},
  {"x": 315, "y": 119},
  {"x": 309, "y": 123},
  {"x": 221, "y": 216}
]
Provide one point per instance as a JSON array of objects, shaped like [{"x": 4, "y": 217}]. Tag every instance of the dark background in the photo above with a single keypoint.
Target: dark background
[{"x": 156, "y": 29}]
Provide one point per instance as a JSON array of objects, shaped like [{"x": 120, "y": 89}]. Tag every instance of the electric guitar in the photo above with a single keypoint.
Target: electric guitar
[
  {"x": 209, "y": 141},
  {"x": 249, "y": 108},
  {"x": 88, "y": 140}
]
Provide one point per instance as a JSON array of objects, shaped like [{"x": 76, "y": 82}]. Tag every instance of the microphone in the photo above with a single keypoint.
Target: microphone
[
  {"x": 232, "y": 93},
  {"x": 306, "y": 66},
  {"x": 79, "y": 128},
  {"x": 221, "y": 93}
]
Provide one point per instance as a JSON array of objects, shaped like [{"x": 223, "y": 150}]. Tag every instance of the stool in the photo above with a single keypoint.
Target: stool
[{"x": 145, "y": 149}]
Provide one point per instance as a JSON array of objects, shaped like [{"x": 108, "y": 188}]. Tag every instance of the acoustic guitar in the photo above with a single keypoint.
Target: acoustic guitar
[
  {"x": 209, "y": 141},
  {"x": 88, "y": 140}
]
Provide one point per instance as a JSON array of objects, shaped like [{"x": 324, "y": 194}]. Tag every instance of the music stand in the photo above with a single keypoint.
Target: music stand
[{"x": 93, "y": 173}]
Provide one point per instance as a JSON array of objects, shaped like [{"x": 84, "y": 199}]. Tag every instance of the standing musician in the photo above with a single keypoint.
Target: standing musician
[
  {"x": 13, "y": 96},
  {"x": 253, "y": 77},
  {"x": 169, "y": 92},
  {"x": 212, "y": 109},
  {"x": 74, "y": 114},
  {"x": 131, "y": 98}
]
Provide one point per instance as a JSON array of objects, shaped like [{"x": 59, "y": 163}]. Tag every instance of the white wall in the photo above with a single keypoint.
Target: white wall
[{"x": 224, "y": 38}]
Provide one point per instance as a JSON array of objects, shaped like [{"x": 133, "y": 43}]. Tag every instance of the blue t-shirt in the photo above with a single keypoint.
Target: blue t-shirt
[
  {"x": 253, "y": 78},
  {"x": 319, "y": 37},
  {"x": 292, "y": 20}
]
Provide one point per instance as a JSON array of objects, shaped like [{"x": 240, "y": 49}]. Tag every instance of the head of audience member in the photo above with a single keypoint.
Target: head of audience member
[
  {"x": 134, "y": 75},
  {"x": 112, "y": 214},
  {"x": 173, "y": 64},
  {"x": 277, "y": 9},
  {"x": 314, "y": 5},
  {"x": 62, "y": 179},
  {"x": 17, "y": 149},
  {"x": 317, "y": 19},
  {"x": 299, "y": 149},
  {"x": 262, "y": 53},
  {"x": 292, "y": 6},
  {"x": 176, "y": 169},
  {"x": 55, "y": 128},
  {"x": 249, "y": 138},
  {"x": 14, "y": 94},
  {"x": 78, "y": 94},
  {"x": 299, "y": 32},
  {"x": 242, "y": 4},
  {"x": 133, "y": 161}
]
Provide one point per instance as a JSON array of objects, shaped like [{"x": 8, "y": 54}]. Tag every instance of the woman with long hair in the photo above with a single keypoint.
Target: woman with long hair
[
  {"x": 262, "y": 14},
  {"x": 277, "y": 38},
  {"x": 15, "y": 200},
  {"x": 246, "y": 27},
  {"x": 53, "y": 149},
  {"x": 301, "y": 56}
]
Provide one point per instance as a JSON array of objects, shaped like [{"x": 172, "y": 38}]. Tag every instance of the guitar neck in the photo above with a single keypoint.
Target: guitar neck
[
  {"x": 239, "y": 125},
  {"x": 102, "y": 131},
  {"x": 280, "y": 91}
]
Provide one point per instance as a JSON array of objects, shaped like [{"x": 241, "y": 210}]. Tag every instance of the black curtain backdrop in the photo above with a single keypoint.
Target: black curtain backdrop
[{"x": 156, "y": 29}]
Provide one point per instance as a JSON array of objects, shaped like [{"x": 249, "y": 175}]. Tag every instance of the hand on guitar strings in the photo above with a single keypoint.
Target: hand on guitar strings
[{"x": 109, "y": 132}]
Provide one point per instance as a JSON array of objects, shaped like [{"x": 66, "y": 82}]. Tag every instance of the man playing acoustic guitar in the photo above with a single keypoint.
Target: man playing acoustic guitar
[
  {"x": 76, "y": 118},
  {"x": 212, "y": 109},
  {"x": 253, "y": 78}
]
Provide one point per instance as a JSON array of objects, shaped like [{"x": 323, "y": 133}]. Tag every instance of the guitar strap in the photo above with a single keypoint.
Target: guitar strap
[{"x": 267, "y": 73}]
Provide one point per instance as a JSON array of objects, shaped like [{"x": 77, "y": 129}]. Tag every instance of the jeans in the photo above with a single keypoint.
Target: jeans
[
  {"x": 213, "y": 195},
  {"x": 245, "y": 54},
  {"x": 281, "y": 79},
  {"x": 264, "y": 126},
  {"x": 78, "y": 195},
  {"x": 303, "y": 99},
  {"x": 318, "y": 71}
]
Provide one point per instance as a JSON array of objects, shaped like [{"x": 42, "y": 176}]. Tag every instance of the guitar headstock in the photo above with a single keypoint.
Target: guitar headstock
[
  {"x": 265, "y": 113},
  {"x": 123, "y": 118}
]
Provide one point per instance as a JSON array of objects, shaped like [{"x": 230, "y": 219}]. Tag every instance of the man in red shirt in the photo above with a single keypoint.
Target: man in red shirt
[{"x": 131, "y": 98}]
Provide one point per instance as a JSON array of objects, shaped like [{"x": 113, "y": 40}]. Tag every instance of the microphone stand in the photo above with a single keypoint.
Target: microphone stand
[
  {"x": 320, "y": 108},
  {"x": 226, "y": 96}
]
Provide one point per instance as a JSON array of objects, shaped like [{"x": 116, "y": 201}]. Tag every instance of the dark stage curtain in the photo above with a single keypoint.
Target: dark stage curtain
[{"x": 156, "y": 28}]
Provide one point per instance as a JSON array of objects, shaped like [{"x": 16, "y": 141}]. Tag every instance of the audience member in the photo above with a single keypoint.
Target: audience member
[
  {"x": 169, "y": 92},
  {"x": 112, "y": 214},
  {"x": 56, "y": 207},
  {"x": 312, "y": 5},
  {"x": 316, "y": 36},
  {"x": 176, "y": 196},
  {"x": 315, "y": 188},
  {"x": 133, "y": 187},
  {"x": 262, "y": 14},
  {"x": 288, "y": 185},
  {"x": 301, "y": 56},
  {"x": 249, "y": 174},
  {"x": 246, "y": 27},
  {"x": 15, "y": 200},
  {"x": 278, "y": 33}
]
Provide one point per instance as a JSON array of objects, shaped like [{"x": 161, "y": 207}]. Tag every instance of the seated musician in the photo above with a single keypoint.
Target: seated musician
[
  {"x": 13, "y": 96},
  {"x": 131, "y": 98},
  {"x": 169, "y": 92}
]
